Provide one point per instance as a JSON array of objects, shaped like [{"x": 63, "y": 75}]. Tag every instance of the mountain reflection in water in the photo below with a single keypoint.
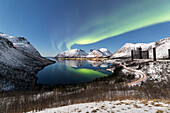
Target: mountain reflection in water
[{"x": 72, "y": 71}]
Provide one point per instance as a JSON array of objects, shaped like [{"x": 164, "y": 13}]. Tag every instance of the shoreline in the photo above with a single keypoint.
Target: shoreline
[{"x": 94, "y": 59}]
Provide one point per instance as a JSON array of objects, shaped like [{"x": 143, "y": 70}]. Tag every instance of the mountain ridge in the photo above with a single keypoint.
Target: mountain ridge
[
  {"x": 79, "y": 53},
  {"x": 22, "y": 44},
  {"x": 161, "y": 46},
  {"x": 18, "y": 68}
]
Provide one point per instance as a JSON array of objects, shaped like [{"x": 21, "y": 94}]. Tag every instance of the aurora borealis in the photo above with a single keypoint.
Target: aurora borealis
[
  {"x": 53, "y": 26},
  {"x": 107, "y": 19}
]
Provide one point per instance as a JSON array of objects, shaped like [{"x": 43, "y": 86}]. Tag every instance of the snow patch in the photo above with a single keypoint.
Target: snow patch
[{"x": 123, "y": 106}]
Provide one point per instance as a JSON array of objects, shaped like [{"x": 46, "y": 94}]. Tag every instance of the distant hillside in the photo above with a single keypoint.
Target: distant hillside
[{"x": 161, "y": 46}]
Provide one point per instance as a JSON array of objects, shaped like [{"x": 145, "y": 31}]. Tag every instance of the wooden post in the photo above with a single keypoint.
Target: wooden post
[
  {"x": 132, "y": 55},
  {"x": 147, "y": 54},
  {"x": 169, "y": 53},
  {"x": 154, "y": 54},
  {"x": 140, "y": 53}
]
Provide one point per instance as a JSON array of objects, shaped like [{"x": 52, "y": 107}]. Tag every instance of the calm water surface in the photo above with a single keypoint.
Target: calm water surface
[{"x": 72, "y": 71}]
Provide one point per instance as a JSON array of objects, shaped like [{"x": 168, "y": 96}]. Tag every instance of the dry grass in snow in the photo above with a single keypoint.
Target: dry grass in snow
[{"x": 123, "y": 106}]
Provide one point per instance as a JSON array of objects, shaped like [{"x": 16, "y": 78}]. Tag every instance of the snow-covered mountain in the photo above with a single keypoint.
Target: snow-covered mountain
[
  {"x": 102, "y": 52},
  {"x": 73, "y": 53},
  {"x": 22, "y": 44},
  {"x": 105, "y": 52},
  {"x": 94, "y": 53},
  {"x": 18, "y": 68},
  {"x": 161, "y": 46},
  {"x": 125, "y": 51},
  {"x": 78, "y": 53}
]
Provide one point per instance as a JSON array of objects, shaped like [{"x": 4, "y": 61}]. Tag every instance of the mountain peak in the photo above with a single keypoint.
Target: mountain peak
[
  {"x": 72, "y": 53},
  {"x": 102, "y": 52},
  {"x": 22, "y": 44},
  {"x": 5, "y": 43}
]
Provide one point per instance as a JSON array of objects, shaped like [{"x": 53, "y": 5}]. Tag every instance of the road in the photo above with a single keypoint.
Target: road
[{"x": 143, "y": 77}]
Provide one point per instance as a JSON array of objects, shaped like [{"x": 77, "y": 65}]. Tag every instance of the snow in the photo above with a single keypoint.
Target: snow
[
  {"x": 102, "y": 52},
  {"x": 73, "y": 53},
  {"x": 104, "y": 65},
  {"x": 119, "y": 106},
  {"x": 125, "y": 51},
  {"x": 17, "y": 65},
  {"x": 105, "y": 51},
  {"x": 161, "y": 46},
  {"x": 9, "y": 55},
  {"x": 78, "y": 53},
  {"x": 95, "y": 53},
  {"x": 158, "y": 71},
  {"x": 27, "y": 48},
  {"x": 22, "y": 44}
]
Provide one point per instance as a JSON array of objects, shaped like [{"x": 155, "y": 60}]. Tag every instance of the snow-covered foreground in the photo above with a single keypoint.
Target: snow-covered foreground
[{"x": 123, "y": 106}]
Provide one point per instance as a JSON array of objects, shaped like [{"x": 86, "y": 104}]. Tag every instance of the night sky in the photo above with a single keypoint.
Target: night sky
[{"x": 53, "y": 26}]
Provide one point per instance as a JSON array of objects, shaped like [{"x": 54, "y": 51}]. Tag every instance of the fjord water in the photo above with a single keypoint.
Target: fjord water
[{"x": 72, "y": 72}]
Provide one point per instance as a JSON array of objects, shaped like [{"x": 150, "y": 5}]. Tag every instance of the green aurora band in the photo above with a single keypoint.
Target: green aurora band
[{"x": 134, "y": 15}]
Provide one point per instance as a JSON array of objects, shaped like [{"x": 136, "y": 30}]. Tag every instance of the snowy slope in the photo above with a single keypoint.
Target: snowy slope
[
  {"x": 8, "y": 54},
  {"x": 123, "y": 106},
  {"x": 78, "y": 53},
  {"x": 73, "y": 53},
  {"x": 94, "y": 53},
  {"x": 161, "y": 46},
  {"x": 22, "y": 44},
  {"x": 125, "y": 51},
  {"x": 102, "y": 52},
  {"x": 14, "y": 57},
  {"x": 105, "y": 52},
  {"x": 17, "y": 68}
]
